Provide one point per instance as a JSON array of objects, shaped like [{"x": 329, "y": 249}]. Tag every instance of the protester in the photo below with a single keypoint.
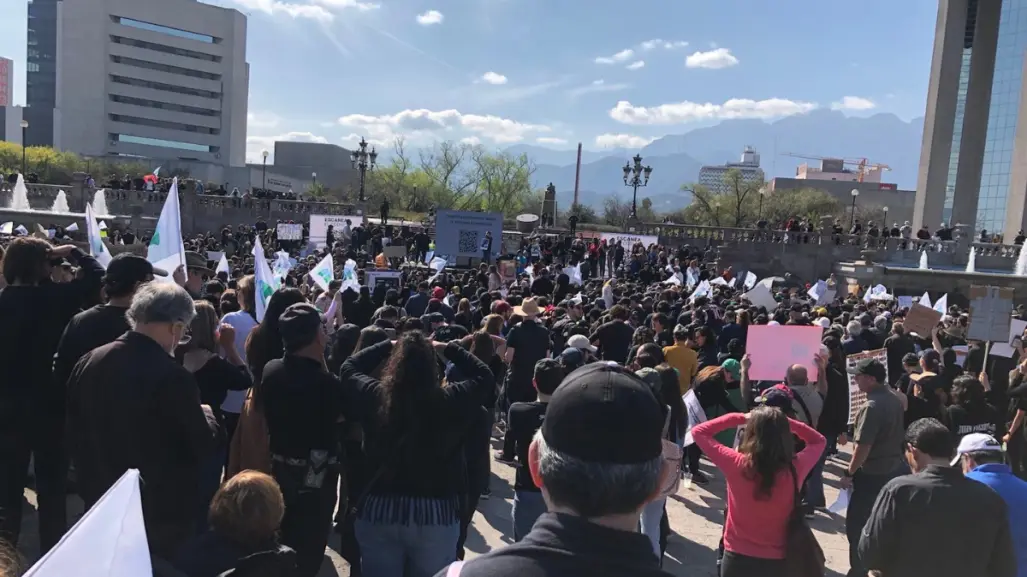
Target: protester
[
  {"x": 598, "y": 460},
  {"x": 936, "y": 521}
]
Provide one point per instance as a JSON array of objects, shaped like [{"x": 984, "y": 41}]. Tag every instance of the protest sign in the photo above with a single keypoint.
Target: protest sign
[
  {"x": 1007, "y": 348},
  {"x": 290, "y": 231},
  {"x": 387, "y": 278},
  {"x": 773, "y": 349},
  {"x": 858, "y": 398},
  {"x": 507, "y": 270},
  {"x": 990, "y": 313},
  {"x": 921, "y": 320}
]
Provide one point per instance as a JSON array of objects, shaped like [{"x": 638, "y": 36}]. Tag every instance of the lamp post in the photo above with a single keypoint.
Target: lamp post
[
  {"x": 363, "y": 161},
  {"x": 24, "y": 144},
  {"x": 763, "y": 193},
  {"x": 263, "y": 171},
  {"x": 635, "y": 176},
  {"x": 313, "y": 176},
  {"x": 852, "y": 219}
]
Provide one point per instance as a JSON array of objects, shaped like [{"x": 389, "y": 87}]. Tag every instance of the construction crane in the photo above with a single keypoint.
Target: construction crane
[{"x": 859, "y": 165}]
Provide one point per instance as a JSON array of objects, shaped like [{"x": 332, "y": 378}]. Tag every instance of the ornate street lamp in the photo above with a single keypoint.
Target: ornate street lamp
[
  {"x": 852, "y": 219},
  {"x": 635, "y": 176},
  {"x": 363, "y": 161},
  {"x": 763, "y": 194},
  {"x": 263, "y": 171},
  {"x": 24, "y": 143}
]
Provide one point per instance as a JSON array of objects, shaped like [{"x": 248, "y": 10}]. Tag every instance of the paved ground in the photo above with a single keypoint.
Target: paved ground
[{"x": 696, "y": 517}]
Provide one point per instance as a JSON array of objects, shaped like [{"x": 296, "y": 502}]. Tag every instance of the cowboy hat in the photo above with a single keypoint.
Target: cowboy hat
[{"x": 528, "y": 308}]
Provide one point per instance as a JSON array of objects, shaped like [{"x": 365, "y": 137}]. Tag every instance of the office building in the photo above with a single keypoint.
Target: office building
[
  {"x": 157, "y": 79},
  {"x": 973, "y": 163},
  {"x": 712, "y": 177},
  {"x": 6, "y": 82}
]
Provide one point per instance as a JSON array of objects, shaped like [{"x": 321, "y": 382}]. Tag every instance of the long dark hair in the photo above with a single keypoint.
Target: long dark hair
[
  {"x": 409, "y": 382},
  {"x": 265, "y": 341},
  {"x": 768, "y": 445},
  {"x": 968, "y": 392},
  {"x": 670, "y": 394}
]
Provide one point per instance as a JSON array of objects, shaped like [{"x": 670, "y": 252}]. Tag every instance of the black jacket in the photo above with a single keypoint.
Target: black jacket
[
  {"x": 938, "y": 523},
  {"x": 568, "y": 546}
]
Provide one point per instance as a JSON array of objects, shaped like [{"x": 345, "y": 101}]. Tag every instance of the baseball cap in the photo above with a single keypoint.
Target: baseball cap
[
  {"x": 580, "y": 342},
  {"x": 572, "y": 357},
  {"x": 130, "y": 268},
  {"x": 779, "y": 396},
  {"x": 299, "y": 324},
  {"x": 976, "y": 443},
  {"x": 733, "y": 368},
  {"x": 438, "y": 293},
  {"x": 871, "y": 367},
  {"x": 603, "y": 413},
  {"x": 435, "y": 318}
]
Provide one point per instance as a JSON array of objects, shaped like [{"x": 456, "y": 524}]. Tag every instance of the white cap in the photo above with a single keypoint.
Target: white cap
[
  {"x": 975, "y": 443},
  {"x": 823, "y": 322},
  {"x": 581, "y": 342}
]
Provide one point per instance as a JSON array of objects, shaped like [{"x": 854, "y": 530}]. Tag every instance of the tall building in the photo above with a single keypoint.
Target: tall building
[
  {"x": 6, "y": 82},
  {"x": 712, "y": 177},
  {"x": 973, "y": 164},
  {"x": 159, "y": 79}
]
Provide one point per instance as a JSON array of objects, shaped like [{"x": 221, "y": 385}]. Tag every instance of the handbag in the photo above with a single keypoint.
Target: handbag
[
  {"x": 671, "y": 458},
  {"x": 803, "y": 555}
]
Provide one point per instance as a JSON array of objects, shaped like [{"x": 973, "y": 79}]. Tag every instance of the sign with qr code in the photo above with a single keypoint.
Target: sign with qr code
[{"x": 462, "y": 233}]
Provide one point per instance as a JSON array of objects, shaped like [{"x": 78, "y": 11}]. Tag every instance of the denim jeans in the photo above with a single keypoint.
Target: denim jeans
[
  {"x": 395, "y": 550},
  {"x": 528, "y": 506},
  {"x": 815, "y": 483},
  {"x": 652, "y": 514}
]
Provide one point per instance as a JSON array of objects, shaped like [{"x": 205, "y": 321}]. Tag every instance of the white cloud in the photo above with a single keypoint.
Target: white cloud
[
  {"x": 597, "y": 86},
  {"x": 550, "y": 140},
  {"x": 636, "y": 65},
  {"x": 714, "y": 59},
  {"x": 853, "y": 103},
  {"x": 425, "y": 126},
  {"x": 255, "y": 145},
  {"x": 665, "y": 44},
  {"x": 472, "y": 140},
  {"x": 259, "y": 120},
  {"x": 684, "y": 112},
  {"x": 622, "y": 141},
  {"x": 320, "y": 10},
  {"x": 621, "y": 56},
  {"x": 493, "y": 78},
  {"x": 430, "y": 17}
]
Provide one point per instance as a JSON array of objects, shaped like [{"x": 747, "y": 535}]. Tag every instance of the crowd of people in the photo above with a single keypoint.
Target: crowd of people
[{"x": 259, "y": 425}]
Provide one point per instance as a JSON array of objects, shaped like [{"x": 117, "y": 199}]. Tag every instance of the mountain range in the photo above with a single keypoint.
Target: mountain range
[{"x": 676, "y": 159}]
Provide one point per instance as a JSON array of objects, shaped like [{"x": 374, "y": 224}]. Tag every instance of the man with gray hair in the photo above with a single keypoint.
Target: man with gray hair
[
  {"x": 132, "y": 406},
  {"x": 598, "y": 459},
  {"x": 853, "y": 342}
]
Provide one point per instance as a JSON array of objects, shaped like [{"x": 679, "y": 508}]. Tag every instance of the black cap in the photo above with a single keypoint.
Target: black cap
[
  {"x": 779, "y": 396},
  {"x": 299, "y": 325},
  {"x": 128, "y": 268},
  {"x": 871, "y": 367},
  {"x": 435, "y": 318},
  {"x": 603, "y": 413}
]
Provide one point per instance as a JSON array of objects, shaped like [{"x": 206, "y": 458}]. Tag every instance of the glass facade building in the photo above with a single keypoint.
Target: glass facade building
[
  {"x": 1002, "y": 116},
  {"x": 41, "y": 71}
]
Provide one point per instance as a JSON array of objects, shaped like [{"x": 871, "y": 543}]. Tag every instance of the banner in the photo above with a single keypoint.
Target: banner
[
  {"x": 462, "y": 233},
  {"x": 858, "y": 398},
  {"x": 166, "y": 250},
  {"x": 290, "y": 232},
  {"x": 319, "y": 224},
  {"x": 507, "y": 271},
  {"x": 629, "y": 240},
  {"x": 387, "y": 278}
]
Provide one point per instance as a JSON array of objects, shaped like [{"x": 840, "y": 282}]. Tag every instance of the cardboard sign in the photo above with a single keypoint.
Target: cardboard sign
[
  {"x": 921, "y": 320},
  {"x": 507, "y": 270},
  {"x": 773, "y": 349},
  {"x": 1007, "y": 349},
  {"x": 990, "y": 313}
]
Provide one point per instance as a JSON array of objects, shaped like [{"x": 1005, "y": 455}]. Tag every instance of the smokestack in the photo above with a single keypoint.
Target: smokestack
[{"x": 577, "y": 176}]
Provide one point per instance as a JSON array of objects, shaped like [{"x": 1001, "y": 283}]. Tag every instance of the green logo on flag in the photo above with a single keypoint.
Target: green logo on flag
[
  {"x": 265, "y": 291},
  {"x": 98, "y": 247},
  {"x": 156, "y": 238},
  {"x": 325, "y": 274}
]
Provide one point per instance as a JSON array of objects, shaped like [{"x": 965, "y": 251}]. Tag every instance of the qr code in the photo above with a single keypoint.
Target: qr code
[{"x": 469, "y": 241}]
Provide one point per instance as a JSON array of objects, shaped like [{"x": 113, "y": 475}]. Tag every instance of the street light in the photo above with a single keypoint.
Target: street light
[
  {"x": 24, "y": 144},
  {"x": 363, "y": 161},
  {"x": 635, "y": 176},
  {"x": 263, "y": 171},
  {"x": 313, "y": 176},
  {"x": 852, "y": 220},
  {"x": 763, "y": 193}
]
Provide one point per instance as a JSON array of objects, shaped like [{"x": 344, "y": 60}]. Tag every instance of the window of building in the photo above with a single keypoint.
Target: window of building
[
  {"x": 165, "y": 87},
  {"x": 165, "y": 49},
  {"x": 163, "y": 143},
  {"x": 32, "y": 67},
  {"x": 165, "y": 30},
  {"x": 163, "y": 105},
  {"x": 164, "y": 124},
  {"x": 164, "y": 68}
]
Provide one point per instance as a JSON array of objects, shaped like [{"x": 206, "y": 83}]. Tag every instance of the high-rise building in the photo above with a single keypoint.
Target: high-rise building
[
  {"x": 973, "y": 164},
  {"x": 712, "y": 176},
  {"x": 6, "y": 82},
  {"x": 160, "y": 79}
]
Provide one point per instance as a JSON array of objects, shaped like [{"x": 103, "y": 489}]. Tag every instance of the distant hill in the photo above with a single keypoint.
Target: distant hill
[{"x": 676, "y": 159}]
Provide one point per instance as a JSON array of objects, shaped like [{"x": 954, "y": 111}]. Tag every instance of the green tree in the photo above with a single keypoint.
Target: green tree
[
  {"x": 56, "y": 167},
  {"x": 586, "y": 214},
  {"x": 616, "y": 211}
]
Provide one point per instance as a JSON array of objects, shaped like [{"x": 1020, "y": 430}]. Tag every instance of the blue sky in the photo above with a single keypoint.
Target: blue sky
[{"x": 554, "y": 73}]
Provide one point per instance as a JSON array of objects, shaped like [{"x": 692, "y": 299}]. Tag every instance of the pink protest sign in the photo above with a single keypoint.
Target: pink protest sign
[{"x": 773, "y": 349}]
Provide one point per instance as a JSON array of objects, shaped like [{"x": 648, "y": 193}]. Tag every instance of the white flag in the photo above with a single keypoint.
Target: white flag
[
  {"x": 7, "y": 228},
  {"x": 223, "y": 265},
  {"x": 96, "y": 246},
  {"x": 166, "y": 249},
  {"x": 437, "y": 264},
  {"x": 750, "y": 280},
  {"x": 267, "y": 284},
  {"x": 350, "y": 282},
  {"x": 324, "y": 272},
  {"x": 73, "y": 227},
  {"x": 926, "y": 301},
  {"x": 942, "y": 306},
  {"x": 108, "y": 541}
]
